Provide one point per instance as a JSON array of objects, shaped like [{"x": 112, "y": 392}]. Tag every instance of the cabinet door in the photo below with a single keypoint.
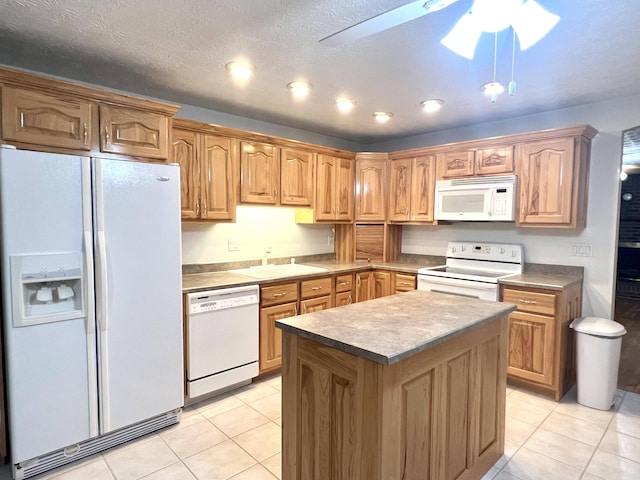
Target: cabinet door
[
  {"x": 218, "y": 156},
  {"x": 494, "y": 160},
  {"x": 271, "y": 337},
  {"x": 259, "y": 173},
  {"x": 545, "y": 174},
  {"x": 531, "y": 346},
  {"x": 133, "y": 132},
  {"x": 423, "y": 178},
  {"x": 381, "y": 284},
  {"x": 404, "y": 282},
  {"x": 400, "y": 190},
  {"x": 458, "y": 164},
  {"x": 370, "y": 190},
  {"x": 184, "y": 153},
  {"x": 363, "y": 286},
  {"x": 296, "y": 177},
  {"x": 315, "y": 304},
  {"x": 343, "y": 298},
  {"x": 42, "y": 119},
  {"x": 344, "y": 176},
  {"x": 325, "y": 187}
]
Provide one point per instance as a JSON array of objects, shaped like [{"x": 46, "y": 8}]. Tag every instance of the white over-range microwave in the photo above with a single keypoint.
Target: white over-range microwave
[{"x": 476, "y": 199}]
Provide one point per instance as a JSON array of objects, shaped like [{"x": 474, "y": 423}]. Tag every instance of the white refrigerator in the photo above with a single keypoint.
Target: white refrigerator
[{"x": 91, "y": 303}]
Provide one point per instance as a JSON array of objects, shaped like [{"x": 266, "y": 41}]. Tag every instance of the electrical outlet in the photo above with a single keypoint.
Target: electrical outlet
[
  {"x": 329, "y": 239},
  {"x": 581, "y": 250},
  {"x": 233, "y": 245}
]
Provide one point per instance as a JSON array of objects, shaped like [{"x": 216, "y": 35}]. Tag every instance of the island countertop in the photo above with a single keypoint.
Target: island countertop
[{"x": 389, "y": 329}]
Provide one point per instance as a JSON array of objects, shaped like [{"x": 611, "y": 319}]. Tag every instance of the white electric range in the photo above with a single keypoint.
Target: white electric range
[{"x": 472, "y": 269}]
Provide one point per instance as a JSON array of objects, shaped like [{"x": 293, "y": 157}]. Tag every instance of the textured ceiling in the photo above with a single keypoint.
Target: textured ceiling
[{"x": 176, "y": 50}]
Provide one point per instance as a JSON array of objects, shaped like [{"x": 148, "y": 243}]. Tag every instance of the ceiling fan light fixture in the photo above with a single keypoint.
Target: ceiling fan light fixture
[
  {"x": 382, "y": 117},
  {"x": 299, "y": 90},
  {"x": 493, "y": 88},
  {"x": 463, "y": 37},
  {"x": 432, "y": 105},
  {"x": 532, "y": 22},
  {"x": 495, "y": 15},
  {"x": 240, "y": 70},
  {"x": 344, "y": 104}
]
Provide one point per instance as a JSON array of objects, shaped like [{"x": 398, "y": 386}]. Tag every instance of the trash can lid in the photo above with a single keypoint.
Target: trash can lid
[{"x": 601, "y": 327}]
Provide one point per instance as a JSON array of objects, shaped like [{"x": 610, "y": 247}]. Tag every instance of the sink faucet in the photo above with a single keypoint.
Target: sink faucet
[{"x": 264, "y": 259}]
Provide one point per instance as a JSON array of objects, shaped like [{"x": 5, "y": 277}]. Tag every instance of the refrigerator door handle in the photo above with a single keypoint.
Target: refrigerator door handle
[
  {"x": 88, "y": 298},
  {"x": 101, "y": 283}
]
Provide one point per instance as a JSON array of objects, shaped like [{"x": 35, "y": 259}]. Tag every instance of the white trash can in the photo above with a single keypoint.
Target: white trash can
[{"x": 598, "y": 342}]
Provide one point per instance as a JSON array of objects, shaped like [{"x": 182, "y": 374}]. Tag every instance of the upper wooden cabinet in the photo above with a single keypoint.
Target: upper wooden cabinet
[
  {"x": 47, "y": 114},
  {"x": 131, "y": 132},
  {"x": 208, "y": 181},
  {"x": 371, "y": 181},
  {"x": 296, "y": 177},
  {"x": 550, "y": 182},
  {"x": 52, "y": 120},
  {"x": 412, "y": 182},
  {"x": 334, "y": 189},
  {"x": 259, "y": 173},
  {"x": 492, "y": 160}
]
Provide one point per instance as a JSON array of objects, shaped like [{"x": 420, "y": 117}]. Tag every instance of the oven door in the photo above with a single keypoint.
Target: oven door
[{"x": 453, "y": 286}]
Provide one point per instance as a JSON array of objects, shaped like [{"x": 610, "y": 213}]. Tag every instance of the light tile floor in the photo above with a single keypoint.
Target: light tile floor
[{"x": 237, "y": 436}]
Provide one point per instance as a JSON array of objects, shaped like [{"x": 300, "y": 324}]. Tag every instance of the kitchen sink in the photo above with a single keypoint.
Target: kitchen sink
[{"x": 275, "y": 271}]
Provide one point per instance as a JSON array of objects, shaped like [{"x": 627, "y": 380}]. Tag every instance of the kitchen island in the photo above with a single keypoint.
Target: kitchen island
[{"x": 410, "y": 386}]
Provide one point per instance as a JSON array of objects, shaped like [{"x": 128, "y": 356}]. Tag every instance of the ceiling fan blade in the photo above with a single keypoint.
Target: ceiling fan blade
[{"x": 386, "y": 20}]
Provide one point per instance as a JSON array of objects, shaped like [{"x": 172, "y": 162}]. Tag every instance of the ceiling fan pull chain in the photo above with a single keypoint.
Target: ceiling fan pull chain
[{"x": 512, "y": 83}]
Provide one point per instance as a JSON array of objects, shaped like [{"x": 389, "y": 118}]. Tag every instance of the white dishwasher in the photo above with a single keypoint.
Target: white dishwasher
[{"x": 222, "y": 339}]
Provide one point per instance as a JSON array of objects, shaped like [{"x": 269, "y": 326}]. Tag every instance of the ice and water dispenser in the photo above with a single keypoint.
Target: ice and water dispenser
[{"x": 47, "y": 288}]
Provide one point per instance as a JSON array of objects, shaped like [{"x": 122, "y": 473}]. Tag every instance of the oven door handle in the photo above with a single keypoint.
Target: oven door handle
[{"x": 457, "y": 283}]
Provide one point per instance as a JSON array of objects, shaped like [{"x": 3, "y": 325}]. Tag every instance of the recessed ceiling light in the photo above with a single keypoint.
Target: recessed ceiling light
[
  {"x": 240, "y": 70},
  {"x": 299, "y": 89},
  {"x": 345, "y": 104},
  {"x": 432, "y": 105},
  {"x": 382, "y": 117}
]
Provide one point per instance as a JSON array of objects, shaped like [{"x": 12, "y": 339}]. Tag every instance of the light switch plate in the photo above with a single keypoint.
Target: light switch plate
[
  {"x": 233, "y": 245},
  {"x": 581, "y": 250}
]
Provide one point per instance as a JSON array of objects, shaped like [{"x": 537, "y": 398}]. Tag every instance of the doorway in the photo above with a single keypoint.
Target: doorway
[{"x": 627, "y": 299}]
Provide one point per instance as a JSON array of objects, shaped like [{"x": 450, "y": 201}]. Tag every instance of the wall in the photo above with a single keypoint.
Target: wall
[
  {"x": 549, "y": 245},
  {"x": 256, "y": 229}
]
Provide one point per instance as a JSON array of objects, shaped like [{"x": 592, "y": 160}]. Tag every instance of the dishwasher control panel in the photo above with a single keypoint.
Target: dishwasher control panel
[{"x": 222, "y": 299}]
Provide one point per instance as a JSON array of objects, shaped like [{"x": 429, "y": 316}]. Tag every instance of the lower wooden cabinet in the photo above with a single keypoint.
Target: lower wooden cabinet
[
  {"x": 363, "y": 286},
  {"x": 541, "y": 345},
  {"x": 315, "y": 304},
  {"x": 381, "y": 284},
  {"x": 403, "y": 282},
  {"x": 271, "y": 337}
]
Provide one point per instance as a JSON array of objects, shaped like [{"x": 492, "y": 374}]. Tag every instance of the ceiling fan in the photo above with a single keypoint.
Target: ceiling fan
[{"x": 529, "y": 20}]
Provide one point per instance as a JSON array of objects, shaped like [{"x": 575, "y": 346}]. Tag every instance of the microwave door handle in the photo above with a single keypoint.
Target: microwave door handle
[{"x": 492, "y": 200}]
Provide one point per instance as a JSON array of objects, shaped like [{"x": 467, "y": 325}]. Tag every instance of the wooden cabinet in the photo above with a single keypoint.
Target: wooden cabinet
[
  {"x": 207, "y": 174},
  {"x": 316, "y": 294},
  {"x": 315, "y": 304},
  {"x": 403, "y": 282},
  {"x": 334, "y": 189},
  {"x": 296, "y": 177},
  {"x": 493, "y": 160},
  {"x": 46, "y": 119},
  {"x": 132, "y": 132},
  {"x": 412, "y": 183},
  {"x": 276, "y": 302},
  {"x": 540, "y": 341},
  {"x": 343, "y": 289},
  {"x": 259, "y": 173},
  {"x": 371, "y": 181},
  {"x": 363, "y": 288},
  {"x": 381, "y": 285},
  {"x": 553, "y": 181}
]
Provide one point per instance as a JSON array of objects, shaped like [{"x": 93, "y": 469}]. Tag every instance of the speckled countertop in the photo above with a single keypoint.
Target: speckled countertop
[
  {"x": 389, "y": 329},
  {"x": 211, "y": 280},
  {"x": 542, "y": 280}
]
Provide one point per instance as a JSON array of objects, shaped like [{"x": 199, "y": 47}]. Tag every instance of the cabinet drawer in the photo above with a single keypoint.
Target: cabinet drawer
[
  {"x": 535, "y": 302},
  {"x": 344, "y": 283},
  {"x": 405, "y": 282},
  {"x": 315, "y": 287},
  {"x": 274, "y": 294}
]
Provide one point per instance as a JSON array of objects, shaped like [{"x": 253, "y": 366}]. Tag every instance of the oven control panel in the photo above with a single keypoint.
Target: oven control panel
[{"x": 497, "y": 252}]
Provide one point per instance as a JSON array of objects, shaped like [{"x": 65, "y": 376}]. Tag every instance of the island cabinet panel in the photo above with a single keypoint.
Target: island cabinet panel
[
  {"x": 133, "y": 132},
  {"x": 46, "y": 119},
  {"x": 296, "y": 177},
  {"x": 436, "y": 415},
  {"x": 259, "y": 173}
]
